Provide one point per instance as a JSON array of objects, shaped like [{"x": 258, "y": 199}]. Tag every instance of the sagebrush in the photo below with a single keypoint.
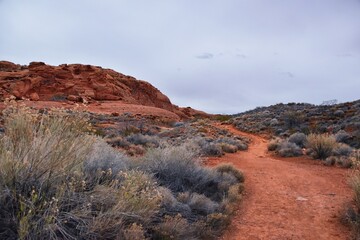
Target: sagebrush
[{"x": 58, "y": 181}]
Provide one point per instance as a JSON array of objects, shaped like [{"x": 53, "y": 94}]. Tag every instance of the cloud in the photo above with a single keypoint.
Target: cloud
[
  {"x": 288, "y": 74},
  {"x": 217, "y": 61},
  {"x": 205, "y": 56}
]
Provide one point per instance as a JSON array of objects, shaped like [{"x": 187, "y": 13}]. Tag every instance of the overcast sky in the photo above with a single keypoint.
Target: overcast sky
[{"x": 220, "y": 56}]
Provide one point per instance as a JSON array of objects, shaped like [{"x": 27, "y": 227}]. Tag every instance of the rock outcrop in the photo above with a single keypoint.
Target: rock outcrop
[{"x": 83, "y": 83}]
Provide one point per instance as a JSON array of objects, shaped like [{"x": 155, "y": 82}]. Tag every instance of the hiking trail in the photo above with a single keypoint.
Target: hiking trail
[{"x": 286, "y": 198}]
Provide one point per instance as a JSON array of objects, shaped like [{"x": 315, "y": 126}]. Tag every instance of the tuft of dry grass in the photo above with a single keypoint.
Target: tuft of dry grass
[
  {"x": 274, "y": 144},
  {"x": 322, "y": 145}
]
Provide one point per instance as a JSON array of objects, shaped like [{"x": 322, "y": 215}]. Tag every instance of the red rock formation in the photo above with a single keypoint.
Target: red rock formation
[{"x": 76, "y": 82}]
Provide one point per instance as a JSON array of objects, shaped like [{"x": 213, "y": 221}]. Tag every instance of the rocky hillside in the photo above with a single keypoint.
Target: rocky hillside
[
  {"x": 285, "y": 119},
  {"x": 81, "y": 83}
]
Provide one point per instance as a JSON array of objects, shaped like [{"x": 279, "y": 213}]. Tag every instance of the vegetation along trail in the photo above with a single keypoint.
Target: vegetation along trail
[{"x": 293, "y": 198}]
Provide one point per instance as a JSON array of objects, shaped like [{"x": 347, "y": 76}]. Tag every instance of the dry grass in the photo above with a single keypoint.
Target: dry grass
[
  {"x": 322, "y": 145},
  {"x": 274, "y": 144},
  {"x": 352, "y": 215}
]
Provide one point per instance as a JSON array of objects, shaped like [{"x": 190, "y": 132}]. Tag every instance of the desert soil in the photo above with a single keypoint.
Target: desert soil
[{"x": 293, "y": 198}]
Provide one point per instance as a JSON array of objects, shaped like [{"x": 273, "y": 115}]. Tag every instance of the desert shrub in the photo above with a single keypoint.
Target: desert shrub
[
  {"x": 138, "y": 195},
  {"x": 228, "y": 148},
  {"x": 198, "y": 203},
  {"x": 330, "y": 161},
  {"x": 355, "y": 184},
  {"x": 199, "y": 190},
  {"x": 339, "y": 113},
  {"x": 292, "y": 119},
  {"x": 235, "y": 191},
  {"x": 145, "y": 140},
  {"x": 342, "y": 136},
  {"x": 131, "y": 198},
  {"x": 219, "y": 220},
  {"x": 352, "y": 213},
  {"x": 103, "y": 158},
  {"x": 130, "y": 130},
  {"x": 134, "y": 232},
  {"x": 298, "y": 138},
  {"x": 230, "y": 169},
  {"x": 41, "y": 149},
  {"x": 342, "y": 149},
  {"x": 175, "y": 227},
  {"x": 223, "y": 118},
  {"x": 118, "y": 142},
  {"x": 211, "y": 149},
  {"x": 288, "y": 149},
  {"x": 179, "y": 169},
  {"x": 344, "y": 162},
  {"x": 234, "y": 142},
  {"x": 243, "y": 147},
  {"x": 355, "y": 158},
  {"x": 274, "y": 144},
  {"x": 273, "y": 122},
  {"x": 136, "y": 150},
  {"x": 170, "y": 205},
  {"x": 322, "y": 145},
  {"x": 59, "y": 182},
  {"x": 40, "y": 158},
  {"x": 355, "y": 142}
]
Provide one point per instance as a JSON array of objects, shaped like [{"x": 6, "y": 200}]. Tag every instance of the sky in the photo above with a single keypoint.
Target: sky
[{"x": 220, "y": 56}]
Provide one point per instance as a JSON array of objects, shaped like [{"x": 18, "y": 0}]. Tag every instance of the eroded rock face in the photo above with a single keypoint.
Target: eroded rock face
[
  {"x": 82, "y": 83},
  {"x": 6, "y": 66},
  {"x": 76, "y": 80}
]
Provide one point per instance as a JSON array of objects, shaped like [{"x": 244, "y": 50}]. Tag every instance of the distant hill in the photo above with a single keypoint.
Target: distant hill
[{"x": 285, "y": 119}]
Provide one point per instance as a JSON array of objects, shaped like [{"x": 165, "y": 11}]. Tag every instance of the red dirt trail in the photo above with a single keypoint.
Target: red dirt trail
[{"x": 294, "y": 198}]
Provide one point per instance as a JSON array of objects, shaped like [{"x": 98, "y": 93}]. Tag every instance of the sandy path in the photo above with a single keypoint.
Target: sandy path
[{"x": 287, "y": 198}]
